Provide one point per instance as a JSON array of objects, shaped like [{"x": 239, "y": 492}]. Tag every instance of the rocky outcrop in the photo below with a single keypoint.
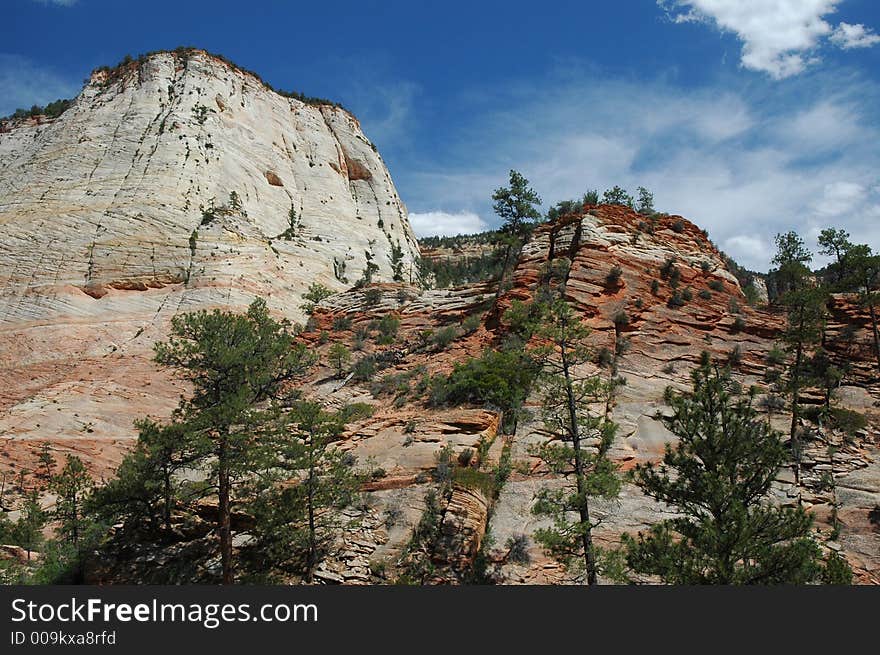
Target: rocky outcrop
[{"x": 173, "y": 183}]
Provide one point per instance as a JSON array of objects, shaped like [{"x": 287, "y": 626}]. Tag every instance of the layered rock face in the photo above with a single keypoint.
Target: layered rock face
[
  {"x": 173, "y": 183},
  {"x": 613, "y": 263}
]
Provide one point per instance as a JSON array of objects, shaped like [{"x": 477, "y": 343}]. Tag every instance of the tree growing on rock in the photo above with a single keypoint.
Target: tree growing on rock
[
  {"x": 579, "y": 442},
  {"x": 718, "y": 478},
  {"x": 234, "y": 362},
  {"x": 71, "y": 487},
  {"x": 516, "y": 205},
  {"x": 298, "y": 516}
]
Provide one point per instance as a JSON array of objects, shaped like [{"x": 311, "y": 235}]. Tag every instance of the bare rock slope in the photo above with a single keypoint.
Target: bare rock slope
[{"x": 173, "y": 183}]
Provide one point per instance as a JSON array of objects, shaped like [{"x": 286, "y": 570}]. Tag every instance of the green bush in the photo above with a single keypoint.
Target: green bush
[
  {"x": 497, "y": 379},
  {"x": 716, "y": 285},
  {"x": 444, "y": 336},
  {"x": 613, "y": 277},
  {"x": 705, "y": 294}
]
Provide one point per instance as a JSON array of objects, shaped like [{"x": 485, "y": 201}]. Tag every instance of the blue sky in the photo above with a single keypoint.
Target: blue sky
[{"x": 749, "y": 117}]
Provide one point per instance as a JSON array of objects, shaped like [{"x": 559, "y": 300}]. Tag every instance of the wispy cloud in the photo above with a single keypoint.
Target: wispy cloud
[
  {"x": 446, "y": 224},
  {"x": 24, "y": 83},
  {"x": 743, "y": 163},
  {"x": 848, "y": 36},
  {"x": 780, "y": 37},
  {"x": 59, "y": 3}
]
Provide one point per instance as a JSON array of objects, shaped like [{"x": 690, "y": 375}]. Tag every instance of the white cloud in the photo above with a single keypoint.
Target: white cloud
[
  {"x": 849, "y": 36},
  {"x": 442, "y": 223},
  {"x": 60, "y": 3},
  {"x": 780, "y": 37},
  {"x": 742, "y": 164},
  {"x": 841, "y": 198},
  {"x": 23, "y": 84}
]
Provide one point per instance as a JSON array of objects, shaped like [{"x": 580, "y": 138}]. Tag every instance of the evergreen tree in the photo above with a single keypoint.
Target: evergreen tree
[
  {"x": 864, "y": 275},
  {"x": 516, "y": 206},
  {"x": 71, "y": 487},
  {"x": 717, "y": 477},
  {"x": 579, "y": 443},
  {"x": 646, "y": 201},
  {"x": 339, "y": 357},
  {"x": 234, "y": 362},
  {"x": 835, "y": 243},
  {"x": 617, "y": 196},
  {"x": 146, "y": 485},
  {"x": 805, "y": 324},
  {"x": 297, "y": 517},
  {"x": 28, "y": 530}
]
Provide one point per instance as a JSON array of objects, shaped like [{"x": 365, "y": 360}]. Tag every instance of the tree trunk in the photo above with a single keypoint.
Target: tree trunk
[
  {"x": 584, "y": 509},
  {"x": 311, "y": 560},
  {"x": 223, "y": 509},
  {"x": 167, "y": 497},
  {"x": 795, "y": 400},
  {"x": 876, "y": 335}
]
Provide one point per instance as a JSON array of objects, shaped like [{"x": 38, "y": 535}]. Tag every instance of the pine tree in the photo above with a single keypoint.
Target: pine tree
[
  {"x": 234, "y": 362},
  {"x": 804, "y": 302},
  {"x": 339, "y": 357},
  {"x": 28, "y": 530},
  {"x": 579, "y": 442},
  {"x": 297, "y": 515},
  {"x": 864, "y": 275},
  {"x": 71, "y": 487},
  {"x": 718, "y": 477},
  {"x": 516, "y": 206}
]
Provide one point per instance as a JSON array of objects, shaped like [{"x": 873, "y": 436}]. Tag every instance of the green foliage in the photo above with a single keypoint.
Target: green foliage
[
  {"x": 618, "y": 196},
  {"x": 236, "y": 364},
  {"x": 565, "y": 405},
  {"x": 497, "y": 379},
  {"x": 339, "y": 356},
  {"x": 316, "y": 293},
  {"x": 837, "y": 570},
  {"x": 716, "y": 285},
  {"x": 444, "y": 336},
  {"x": 71, "y": 487},
  {"x": 296, "y": 523},
  {"x": 52, "y": 110},
  {"x": 372, "y": 296},
  {"x": 613, "y": 277},
  {"x": 718, "y": 478},
  {"x": 516, "y": 205},
  {"x": 646, "y": 201}
]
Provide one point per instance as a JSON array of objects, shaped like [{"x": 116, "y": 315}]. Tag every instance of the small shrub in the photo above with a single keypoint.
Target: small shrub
[
  {"x": 739, "y": 325},
  {"x": 613, "y": 277},
  {"x": 466, "y": 456},
  {"x": 603, "y": 357},
  {"x": 705, "y": 266},
  {"x": 678, "y": 226},
  {"x": 669, "y": 369},
  {"x": 687, "y": 295},
  {"x": 675, "y": 300},
  {"x": 620, "y": 319},
  {"x": 775, "y": 357},
  {"x": 705, "y": 294},
  {"x": 734, "y": 357},
  {"x": 518, "y": 549},
  {"x": 444, "y": 336},
  {"x": 372, "y": 296},
  {"x": 733, "y": 306},
  {"x": 316, "y": 293},
  {"x": 655, "y": 287},
  {"x": 341, "y": 324},
  {"x": 639, "y": 303},
  {"x": 364, "y": 368},
  {"x": 471, "y": 324},
  {"x": 716, "y": 285}
]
